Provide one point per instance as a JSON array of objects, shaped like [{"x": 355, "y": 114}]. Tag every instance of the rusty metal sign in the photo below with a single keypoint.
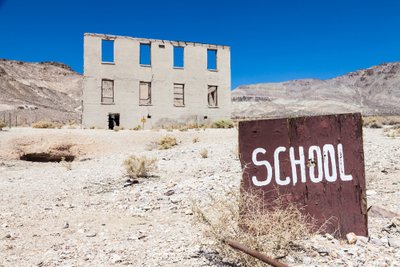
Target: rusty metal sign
[{"x": 316, "y": 162}]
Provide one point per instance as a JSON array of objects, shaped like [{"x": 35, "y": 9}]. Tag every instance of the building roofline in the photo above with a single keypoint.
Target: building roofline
[{"x": 111, "y": 37}]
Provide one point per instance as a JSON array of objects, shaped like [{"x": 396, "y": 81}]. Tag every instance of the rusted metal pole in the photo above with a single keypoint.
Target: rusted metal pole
[{"x": 254, "y": 253}]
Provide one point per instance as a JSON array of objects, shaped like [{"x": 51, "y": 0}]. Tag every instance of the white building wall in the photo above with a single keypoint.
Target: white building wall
[{"x": 127, "y": 74}]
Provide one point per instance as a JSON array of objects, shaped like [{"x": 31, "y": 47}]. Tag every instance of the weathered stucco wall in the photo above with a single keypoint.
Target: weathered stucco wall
[{"x": 127, "y": 73}]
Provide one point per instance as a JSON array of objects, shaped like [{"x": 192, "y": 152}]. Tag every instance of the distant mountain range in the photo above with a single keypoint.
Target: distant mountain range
[
  {"x": 53, "y": 91},
  {"x": 39, "y": 91},
  {"x": 375, "y": 90}
]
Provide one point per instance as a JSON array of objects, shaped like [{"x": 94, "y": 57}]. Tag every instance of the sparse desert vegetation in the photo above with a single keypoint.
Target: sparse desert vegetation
[
  {"x": 167, "y": 142},
  {"x": 270, "y": 229},
  {"x": 2, "y": 125},
  {"x": 45, "y": 125},
  {"x": 139, "y": 166},
  {"x": 81, "y": 212}
]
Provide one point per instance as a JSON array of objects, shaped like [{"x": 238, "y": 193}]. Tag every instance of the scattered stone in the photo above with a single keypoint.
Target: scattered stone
[
  {"x": 394, "y": 242},
  {"x": 169, "y": 192},
  {"x": 351, "y": 238},
  {"x": 91, "y": 234},
  {"x": 66, "y": 225}
]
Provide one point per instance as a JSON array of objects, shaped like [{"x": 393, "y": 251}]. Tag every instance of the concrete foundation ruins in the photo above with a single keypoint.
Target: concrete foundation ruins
[{"x": 130, "y": 82}]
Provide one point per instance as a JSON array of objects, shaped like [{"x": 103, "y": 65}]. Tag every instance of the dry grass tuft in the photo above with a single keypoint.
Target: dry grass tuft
[
  {"x": 270, "y": 229},
  {"x": 222, "y": 124},
  {"x": 204, "y": 153},
  {"x": 2, "y": 125},
  {"x": 139, "y": 166},
  {"x": 167, "y": 142},
  {"x": 45, "y": 125},
  {"x": 379, "y": 121}
]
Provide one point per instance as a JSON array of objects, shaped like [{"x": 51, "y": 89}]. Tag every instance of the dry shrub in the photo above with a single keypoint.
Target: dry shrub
[
  {"x": 139, "y": 166},
  {"x": 45, "y": 125},
  {"x": 2, "y": 125},
  {"x": 379, "y": 121},
  {"x": 268, "y": 228},
  {"x": 393, "y": 132},
  {"x": 167, "y": 142},
  {"x": 196, "y": 139},
  {"x": 225, "y": 124},
  {"x": 136, "y": 128},
  {"x": 204, "y": 153}
]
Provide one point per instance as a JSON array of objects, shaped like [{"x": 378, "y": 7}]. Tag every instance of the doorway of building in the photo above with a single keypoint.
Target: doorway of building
[{"x": 113, "y": 120}]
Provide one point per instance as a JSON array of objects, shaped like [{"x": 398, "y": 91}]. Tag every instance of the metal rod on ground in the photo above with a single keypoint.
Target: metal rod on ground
[{"x": 254, "y": 253}]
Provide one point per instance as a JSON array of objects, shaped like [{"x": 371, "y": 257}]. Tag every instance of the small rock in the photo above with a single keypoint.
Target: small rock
[
  {"x": 351, "y": 238},
  {"x": 328, "y": 236},
  {"x": 115, "y": 258},
  {"x": 169, "y": 192},
  {"x": 7, "y": 236},
  {"x": 394, "y": 242},
  {"x": 91, "y": 234},
  {"x": 371, "y": 192},
  {"x": 362, "y": 240},
  {"x": 66, "y": 225},
  {"x": 188, "y": 212}
]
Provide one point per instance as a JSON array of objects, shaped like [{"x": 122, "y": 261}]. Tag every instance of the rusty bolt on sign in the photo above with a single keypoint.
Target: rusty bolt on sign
[{"x": 317, "y": 162}]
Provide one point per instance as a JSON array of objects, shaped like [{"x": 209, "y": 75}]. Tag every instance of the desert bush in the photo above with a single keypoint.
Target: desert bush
[
  {"x": 222, "y": 124},
  {"x": 379, "y": 121},
  {"x": 137, "y": 128},
  {"x": 204, "y": 153},
  {"x": 139, "y": 166},
  {"x": 167, "y": 142},
  {"x": 45, "y": 125},
  {"x": 2, "y": 125},
  {"x": 269, "y": 228}
]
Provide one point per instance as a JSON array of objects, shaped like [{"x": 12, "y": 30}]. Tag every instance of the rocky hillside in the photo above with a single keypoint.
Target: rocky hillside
[
  {"x": 39, "y": 91},
  {"x": 375, "y": 90}
]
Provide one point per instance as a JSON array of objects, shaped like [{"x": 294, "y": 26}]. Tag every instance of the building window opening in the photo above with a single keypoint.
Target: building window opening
[
  {"x": 145, "y": 93},
  {"x": 107, "y": 91},
  {"x": 211, "y": 59},
  {"x": 212, "y": 96},
  {"x": 145, "y": 54},
  {"x": 179, "y": 95},
  {"x": 179, "y": 56},
  {"x": 107, "y": 51},
  {"x": 113, "y": 120}
]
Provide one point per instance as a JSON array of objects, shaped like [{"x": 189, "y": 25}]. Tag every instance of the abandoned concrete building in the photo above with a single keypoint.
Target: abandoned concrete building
[{"x": 130, "y": 82}]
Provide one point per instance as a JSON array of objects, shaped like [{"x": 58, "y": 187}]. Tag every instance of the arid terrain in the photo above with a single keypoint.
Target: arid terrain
[
  {"x": 371, "y": 91},
  {"x": 84, "y": 213}
]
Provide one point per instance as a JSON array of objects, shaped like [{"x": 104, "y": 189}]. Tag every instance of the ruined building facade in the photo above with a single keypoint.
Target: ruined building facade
[{"x": 130, "y": 82}]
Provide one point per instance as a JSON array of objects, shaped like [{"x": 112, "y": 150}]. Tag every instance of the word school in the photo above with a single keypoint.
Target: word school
[{"x": 321, "y": 164}]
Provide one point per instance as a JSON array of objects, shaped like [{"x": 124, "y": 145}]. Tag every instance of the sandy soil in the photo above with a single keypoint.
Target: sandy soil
[{"x": 57, "y": 214}]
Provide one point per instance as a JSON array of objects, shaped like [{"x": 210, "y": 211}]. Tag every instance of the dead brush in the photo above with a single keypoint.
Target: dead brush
[
  {"x": 2, "y": 125},
  {"x": 167, "y": 142},
  {"x": 270, "y": 229},
  {"x": 45, "y": 125},
  {"x": 139, "y": 166}
]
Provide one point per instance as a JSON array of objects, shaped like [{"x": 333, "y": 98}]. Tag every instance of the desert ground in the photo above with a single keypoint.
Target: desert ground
[{"x": 84, "y": 213}]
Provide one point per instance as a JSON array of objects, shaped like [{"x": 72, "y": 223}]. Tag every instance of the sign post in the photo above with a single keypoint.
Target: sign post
[{"x": 316, "y": 162}]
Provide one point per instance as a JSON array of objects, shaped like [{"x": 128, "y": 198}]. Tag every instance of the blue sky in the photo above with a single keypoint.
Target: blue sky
[{"x": 270, "y": 40}]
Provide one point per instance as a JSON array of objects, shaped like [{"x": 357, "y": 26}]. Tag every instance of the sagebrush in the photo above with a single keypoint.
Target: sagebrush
[
  {"x": 225, "y": 124},
  {"x": 2, "y": 125},
  {"x": 139, "y": 166},
  {"x": 270, "y": 229},
  {"x": 45, "y": 125},
  {"x": 167, "y": 142}
]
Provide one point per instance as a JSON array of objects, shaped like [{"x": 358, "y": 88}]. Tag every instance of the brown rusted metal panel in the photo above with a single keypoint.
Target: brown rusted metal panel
[{"x": 330, "y": 182}]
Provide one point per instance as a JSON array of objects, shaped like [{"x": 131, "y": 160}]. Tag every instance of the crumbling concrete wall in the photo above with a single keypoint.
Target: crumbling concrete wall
[{"x": 127, "y": 74}]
